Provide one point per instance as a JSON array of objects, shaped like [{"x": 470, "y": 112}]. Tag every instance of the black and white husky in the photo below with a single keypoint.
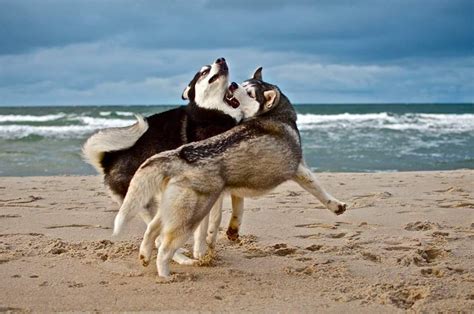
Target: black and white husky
[
  {"x": 248, "y": 160},
  {"x": 118, "y": 152}
]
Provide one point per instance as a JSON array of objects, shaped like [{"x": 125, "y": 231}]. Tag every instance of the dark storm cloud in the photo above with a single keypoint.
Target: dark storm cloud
[
  {"x": 345, "y": 29},
  {"x": 85, "y": 50}
]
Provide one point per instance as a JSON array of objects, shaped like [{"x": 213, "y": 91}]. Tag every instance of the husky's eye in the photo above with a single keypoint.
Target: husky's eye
[
  {"x": 250, "y": 94},
  {"x": 205, "y": 72}
]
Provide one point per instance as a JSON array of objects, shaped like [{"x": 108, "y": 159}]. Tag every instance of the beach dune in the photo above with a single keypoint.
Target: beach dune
[{"x": 404, "y": 244}]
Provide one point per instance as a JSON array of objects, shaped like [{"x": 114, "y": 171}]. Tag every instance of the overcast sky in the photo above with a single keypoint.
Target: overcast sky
[{"x": 55, "y": 52}]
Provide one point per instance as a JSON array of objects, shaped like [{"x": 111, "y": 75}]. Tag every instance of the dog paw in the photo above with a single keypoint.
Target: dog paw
[
  {"x": 144, "y": 260},
  {"x": 232, "y": 234},
  {"x": 199, "y": 253},
  {"x": 341, "y": 208},
  {"x": 337, "y": 207},
  {"x": 211, "y": 242},
  {"x": 145, "y": 254}
]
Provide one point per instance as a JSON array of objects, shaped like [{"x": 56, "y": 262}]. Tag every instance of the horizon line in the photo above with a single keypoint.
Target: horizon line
[{"x": 295, "y": 104}]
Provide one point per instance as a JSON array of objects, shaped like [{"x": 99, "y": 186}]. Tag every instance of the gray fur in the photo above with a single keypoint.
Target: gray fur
[
  {"x": 248, "y": 160},
  {"x": 190, "y": 187}
]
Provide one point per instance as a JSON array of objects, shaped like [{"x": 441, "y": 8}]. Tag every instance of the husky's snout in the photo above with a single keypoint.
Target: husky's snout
[
  {"x": 221, "y": 61},
  {"x": 233, "y": 86},
  {"x": 223, "y": 68}
]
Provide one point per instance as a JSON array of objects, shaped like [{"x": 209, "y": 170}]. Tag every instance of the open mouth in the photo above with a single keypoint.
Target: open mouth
[{"x": 230, "y": 99}]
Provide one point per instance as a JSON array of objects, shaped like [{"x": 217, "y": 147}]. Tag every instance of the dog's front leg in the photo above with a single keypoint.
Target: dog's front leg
[
  {"x": 236, "y": 219},
  {"x": 308, "y": 181}
]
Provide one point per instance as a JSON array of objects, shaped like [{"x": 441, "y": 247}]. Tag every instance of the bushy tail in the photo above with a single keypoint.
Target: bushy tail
[
  {"x": 145, "y": 184},
  {"x": 112, "y": 139}
]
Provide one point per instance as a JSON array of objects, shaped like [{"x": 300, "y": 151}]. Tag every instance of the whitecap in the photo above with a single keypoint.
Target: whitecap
[
  {"x": 124, "y": 113},
  {"x": 103, "y": 122},
  {"x": 31, "y": 118},
  {"x": 64, "y": 131},
  {"x": 433, "y": 123}
]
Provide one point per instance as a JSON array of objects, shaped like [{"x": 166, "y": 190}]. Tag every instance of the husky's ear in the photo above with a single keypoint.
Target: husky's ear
[
  {"x": 272, "y": 97},
  {"x": 257, "y": 75},
  {"x": 185, "y": 95}
]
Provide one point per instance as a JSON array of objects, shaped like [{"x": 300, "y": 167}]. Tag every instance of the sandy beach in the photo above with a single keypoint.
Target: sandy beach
[{"x": 406, "y": 243}]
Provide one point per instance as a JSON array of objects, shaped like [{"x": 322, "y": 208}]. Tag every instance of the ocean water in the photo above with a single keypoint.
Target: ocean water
[{"x": 338, "y": 138}]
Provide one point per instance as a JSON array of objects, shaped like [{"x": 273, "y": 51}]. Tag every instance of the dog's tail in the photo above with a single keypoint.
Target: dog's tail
[
  {"x": 112, "y": 139},
  {"x": 145, "y": 184}
]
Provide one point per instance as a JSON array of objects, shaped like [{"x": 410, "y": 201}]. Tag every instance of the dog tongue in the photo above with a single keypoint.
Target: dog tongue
[
  {"x": 231, "y": 100},
  {"x": 234, "y": 102}
]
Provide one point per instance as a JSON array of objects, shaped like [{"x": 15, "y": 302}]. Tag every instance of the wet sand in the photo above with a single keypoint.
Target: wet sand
[{"x": 406, "y": 243}]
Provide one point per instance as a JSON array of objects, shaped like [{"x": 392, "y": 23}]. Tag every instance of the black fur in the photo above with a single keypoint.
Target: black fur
[{"x": 167, "y": 130}]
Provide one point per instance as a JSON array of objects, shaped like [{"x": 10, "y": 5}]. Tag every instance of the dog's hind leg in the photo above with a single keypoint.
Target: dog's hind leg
[
  {"x": 199, "y": 248},
  {"x": 172, "y": 241},
  {"x": 308, "y": 181},
  {"x": 215, "y": 217},
  {"x": 236, "y": 219},
  {"x": 151, "y": 234},
  {"x": 179, "y": 217}
]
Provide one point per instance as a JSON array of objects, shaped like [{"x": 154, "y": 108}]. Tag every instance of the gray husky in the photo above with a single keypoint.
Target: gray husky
[{"x": 248, "y": 160}]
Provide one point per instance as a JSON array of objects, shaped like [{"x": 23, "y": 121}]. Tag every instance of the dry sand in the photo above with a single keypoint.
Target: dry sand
[{"x": 406, "y": 243}]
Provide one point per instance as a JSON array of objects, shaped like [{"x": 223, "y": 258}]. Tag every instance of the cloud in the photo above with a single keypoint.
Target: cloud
[
  {"x": 106, "y": 73},
  {"x": 92, "y": 52},
  {"x": 370, "y": 29}
]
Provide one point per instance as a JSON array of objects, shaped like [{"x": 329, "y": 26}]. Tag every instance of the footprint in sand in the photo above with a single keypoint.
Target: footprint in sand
[
  {"x": 370, "y": 256},
  {"x": 423, "y": 257},
  {"x": 421, "y": 226},
  {"x": 432, "y": 272},
  {"x": 20, "y": 202},
  {"x": 317, "y": 225},
  {"x": 177, "y": 277},
  {"x": 451, "y": 189},
  {"x": 336, "y": 235},
  {"x": 293, "y": 194},
  {"x": 29, "y": 199},
  {"x": 314, "y": 247},
  {"x": 406, "y": 297},
  {"x": 310, "y": 236},
  {"x": 368, "y": 200},
  {"x": 78, "y": 226},
  {"x": 10, "y": 216},
  {"x": 8, "y": 309},
  {"x": 457, "y": 204},
  {"x": 282, "y": 249},
  {"x": 279, "y": 249},
  {"x": 320, "y": 235}
]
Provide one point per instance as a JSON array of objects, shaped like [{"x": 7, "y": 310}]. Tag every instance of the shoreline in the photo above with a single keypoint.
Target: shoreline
[{"x": 404, "y": 244}]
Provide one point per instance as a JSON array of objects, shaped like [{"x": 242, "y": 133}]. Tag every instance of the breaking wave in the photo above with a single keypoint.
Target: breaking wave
[
  {"x": 55, "y": 126},
  {"x": 31, "y": 118},
  {"x": 62, "y": 125},
  {"x": 423, "y": 122}
]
